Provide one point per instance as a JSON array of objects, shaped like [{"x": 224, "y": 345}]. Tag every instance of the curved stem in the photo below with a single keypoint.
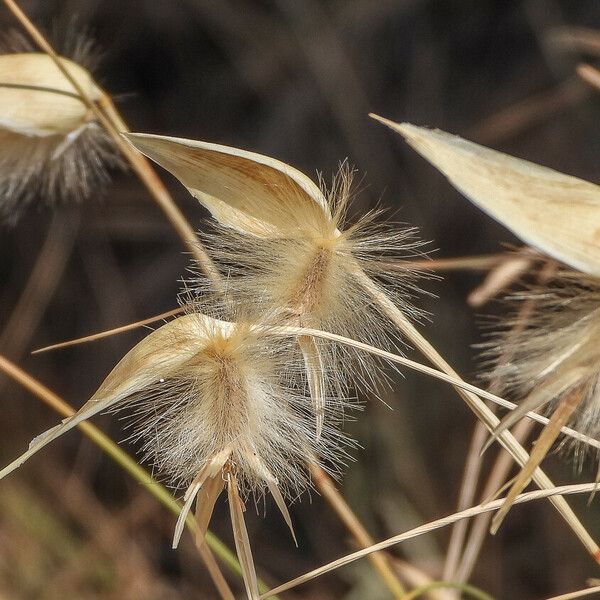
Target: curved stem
[{"x": 114, "y": 125}]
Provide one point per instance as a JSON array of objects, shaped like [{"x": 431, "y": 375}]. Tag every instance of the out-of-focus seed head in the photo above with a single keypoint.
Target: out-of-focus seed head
[
  {"x": 541, "y": 355},
  {"x": 50, "y": 145}
]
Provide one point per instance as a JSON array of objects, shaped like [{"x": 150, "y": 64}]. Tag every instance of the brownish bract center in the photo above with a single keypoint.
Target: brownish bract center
[
  {"x": 306, "y": 296},
  {"x": 225, "y": 389}
]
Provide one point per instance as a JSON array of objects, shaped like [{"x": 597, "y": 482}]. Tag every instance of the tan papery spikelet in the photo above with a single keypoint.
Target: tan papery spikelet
[
  {"x": 243, "y": 190},
  {"x": 154, "y": 358},
  {"x": 556, "y": 213},
  {"x": 36, "y": 99}
]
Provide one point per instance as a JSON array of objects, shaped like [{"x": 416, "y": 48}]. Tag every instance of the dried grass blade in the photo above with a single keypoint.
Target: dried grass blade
[
  {"x": 190, "y": 496},
  {"x": 542, "y": 446},
  {"x": 242, "y": 542},
  {"x": 535, "y": 401},
  {"x": 205, "y": 504},
  {"x": 274, "y": 489},
  {"x": 431, "y": 372},
  {"x": 316, "y": 384}
]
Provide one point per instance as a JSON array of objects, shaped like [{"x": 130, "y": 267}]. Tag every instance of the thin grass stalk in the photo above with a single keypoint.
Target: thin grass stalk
[
  {"x": 114, "y": 125},
  {"x": 102, "y": 334},
  {"x": 565, "y": 490},
  {"x": 484, "y": 262},
  {"x": 466, "y": 496},
  {"x": 589, "y": 74},
  {"x": 479, "y": 527},
  {"x": 226, "y": 556},
  {"x": 474, "y": 461},
  {"x": 453, "y": 380},
  {"x": 378, "y": 559},
  {"x": 482, "y": 411}
]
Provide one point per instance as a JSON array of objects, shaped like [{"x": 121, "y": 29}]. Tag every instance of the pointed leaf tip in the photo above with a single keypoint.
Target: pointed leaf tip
[
  {"x": 554, "y": 212},
  {"x": 246, "y": 191}
]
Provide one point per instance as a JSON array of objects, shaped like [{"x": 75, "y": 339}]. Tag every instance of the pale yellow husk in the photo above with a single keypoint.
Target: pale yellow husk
[
  {"x": 42, "y": 111},
  {"x": 242, "y": 190}
]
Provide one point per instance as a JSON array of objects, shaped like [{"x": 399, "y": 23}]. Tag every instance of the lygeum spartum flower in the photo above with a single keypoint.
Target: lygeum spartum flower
[
  {"x": 282, "y": 242},
  {"x": 548, "y": 355},
  {"x": 217, "y": 405},
  {"x": 50, "y": 144}
]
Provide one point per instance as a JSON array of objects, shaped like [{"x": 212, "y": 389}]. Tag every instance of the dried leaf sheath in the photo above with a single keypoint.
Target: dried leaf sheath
[{"x": 554, "y": 212}]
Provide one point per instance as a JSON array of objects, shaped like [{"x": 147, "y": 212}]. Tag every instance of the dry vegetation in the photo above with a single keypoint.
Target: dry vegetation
[{"x": 289, "y": 382}]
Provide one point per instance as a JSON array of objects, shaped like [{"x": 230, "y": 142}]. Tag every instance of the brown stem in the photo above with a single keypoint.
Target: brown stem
[{"x": 114, "y": 124}]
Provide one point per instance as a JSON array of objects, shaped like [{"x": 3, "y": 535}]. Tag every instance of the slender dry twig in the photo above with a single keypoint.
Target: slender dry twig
[
  {"x": 115, "y": 125},
  {"x": 350, "y": 520},
  {"x": 565, "y": 490}
]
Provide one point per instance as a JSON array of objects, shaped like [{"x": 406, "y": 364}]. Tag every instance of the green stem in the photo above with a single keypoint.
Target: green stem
[{"x": 463, "y": 587}]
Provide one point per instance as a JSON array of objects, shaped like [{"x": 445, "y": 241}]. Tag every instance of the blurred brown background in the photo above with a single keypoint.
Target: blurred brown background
[{"x": 295, "y": 80}]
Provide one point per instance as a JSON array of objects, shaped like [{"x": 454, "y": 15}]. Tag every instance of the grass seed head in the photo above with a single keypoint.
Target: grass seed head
[
  {"x": 541, "y": 356},
  {"x": 50, "y": 143},
  {"x": 282, "y": 241}
]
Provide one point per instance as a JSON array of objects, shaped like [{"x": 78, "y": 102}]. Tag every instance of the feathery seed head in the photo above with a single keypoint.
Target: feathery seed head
[
  {"x": 49, "y": 141},
  {"x": 235, "y": 394},
  {"x": 554, "y": 350},
  {"x": 216, "y": 405},
  {"x": 282, "y": 240},
  {"x": 201, "y": 389}
]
